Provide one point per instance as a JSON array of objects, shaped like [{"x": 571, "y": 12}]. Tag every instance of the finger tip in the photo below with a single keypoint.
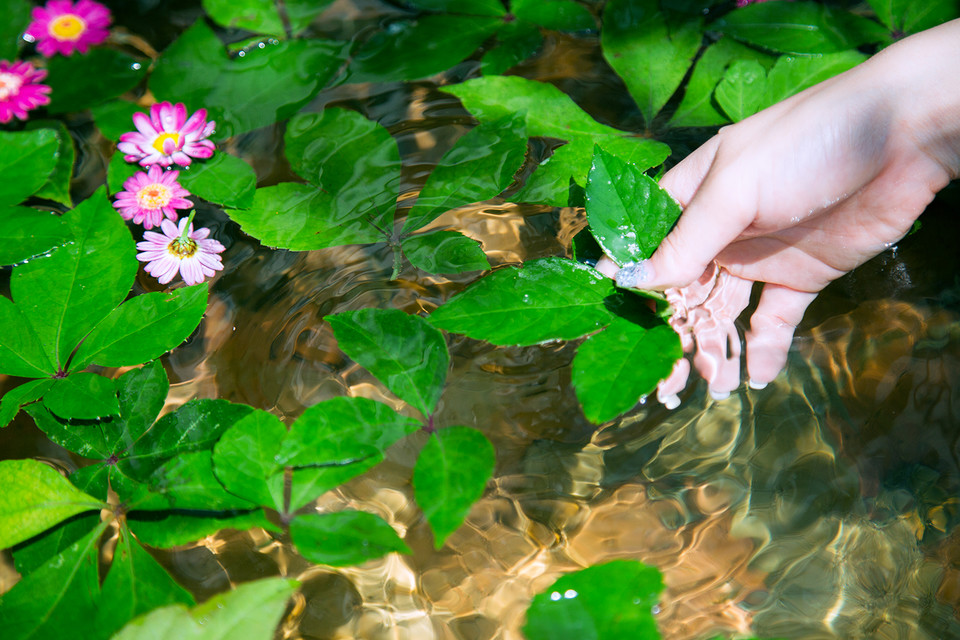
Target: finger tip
[{"x": 755, "y": 385}]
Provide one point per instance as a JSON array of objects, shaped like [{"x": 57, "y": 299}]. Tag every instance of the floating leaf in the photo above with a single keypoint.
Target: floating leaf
[
  {"x": 27, "y": 158},
  {"x": 27, "y": 233},
  {"x": 546, "y": 299},
  {"x": 57, "y": 187},
  {"x": 79, "y": 82},
  {"x": 344, "y": 538},
  {"x": 444, "y": 252},
  {"x": 85, "y": 396},
  {"x": 34, "y": 498},
  {"x": 604, "y": 602},
  {"x": 450, "y": 475},
  {"x": 517, "y": 41},
  {"x": 223, "y": 179},
  {"x": 628, "y": 212},
  {"x": 404, "y": 352},
  {"x": 614, "y": 369}
]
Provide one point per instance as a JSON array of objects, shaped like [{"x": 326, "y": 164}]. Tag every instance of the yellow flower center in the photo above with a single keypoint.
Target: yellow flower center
[
  {"x": 10, "y": 84},
  {"x": 67, "y": 27},
  {"x": 154, "y": 196},
  {"x": 163, "y": 137},
  {"x": 183, "y": 248}
]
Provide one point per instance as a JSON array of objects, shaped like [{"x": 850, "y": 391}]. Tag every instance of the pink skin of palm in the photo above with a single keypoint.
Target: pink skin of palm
[{"x": 796, "y": 196}]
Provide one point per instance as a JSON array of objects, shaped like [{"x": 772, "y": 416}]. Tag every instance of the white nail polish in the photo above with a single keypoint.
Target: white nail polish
[
  {"x": 631, "y": 274},
  {"x": 719, "y": 395},
  {"x": 756, "y": 385},
  {"x": 671, "y": 402}
]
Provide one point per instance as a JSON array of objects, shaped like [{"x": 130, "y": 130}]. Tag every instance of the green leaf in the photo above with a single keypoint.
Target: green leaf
[
  {"x": 629, "y": 214},
  {"x": 302, "y": 12},
  {"x": 450, "y": 475},
  {"x": 27, "y": 158},
  {"x": 799, "y": 27},
  {"x": 21, "y": 352},
  {"x": 546, "y": 299},
  {"x": 79, "y": 82},
  {"x": 517, "y": 41},
  {"x": 31, "y": 555},
  {"x": 478, "y": 167},
  {"x": 444, "y": 252},
  {"x": 651, "y": 58},
  {"x": 404, "y": 352},
  {"x": 355, "y": 160},
  {"x": 344, "y": 538},
  {"x": 34, "y": 498},
  {"x": 301, "y": 217},
  {"x": 16, "y": 17},
  {"x": 245, "y": 459},
  {"x": 909, "y": 16},
  {"x": 605, "y": 602},
  {"x": 259, "y": 16},
  {"x": 65, "y": 295},
  {"x": 57, "y": 187},
  {"x": 144, "y": 327},
  {"x": 165, "y": 529},
  {"x": 85, "y": 439},
  {"x": 224, "y": 179},
  {"x": 141, "y": 393},
  {"x": 252, "y": 611},
  {"x": 27, "y": 233},
  {"x": 115, "y": 118},
  {"x": 119, "y": 171},
  {"x": 474, "y": 7},
  {"x": 560, "y": 15},
  {"x": 12, "y": 401},
  {"x": 421, "y": 47},
  {"x": 615, "y": 368},
  {"x": 741, "y": 92},
  {"x": 187, "y": 481},
  {"x": 85, "y": 396}
]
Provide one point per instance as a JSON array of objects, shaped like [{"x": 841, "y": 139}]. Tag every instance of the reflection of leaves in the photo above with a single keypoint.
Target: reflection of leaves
[{"x": 444, "y": 251}]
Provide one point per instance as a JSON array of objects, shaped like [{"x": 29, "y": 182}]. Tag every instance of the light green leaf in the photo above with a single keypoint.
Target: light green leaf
[
  {"x": 616, "y": 367},
  {"x": 82, "y": 81},
  {"x": 404, "y": 352},
  {"x": 28, "y": 233},
  {"x": 245, "y": 462},
  {"x": 34, "y": 498},
  {"x": 344, "y": 538},
  {"x": 27, "y": 158},
  {"x": 223, "y": 179},
  {"x": 741, "y": 92},
  {"x": 57, "y": 187},
  {"x": 28, "y": 392},
  {"x": 450, "y": 475},
  {"x": 546, "y": 299},
  {"x": 445, "y": 251},
  {"x": 84, "y": 396}
]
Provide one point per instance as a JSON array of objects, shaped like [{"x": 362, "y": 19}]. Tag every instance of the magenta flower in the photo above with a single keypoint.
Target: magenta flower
[
  {"x": 743, "y": 3},
  {"x": 150, "y": 195},
  {"x": 167, "y": 136},
  {"x": 180, "y": 248},
  {"x": 64, "y": 27},
  {"x": 20, "y": 89}
]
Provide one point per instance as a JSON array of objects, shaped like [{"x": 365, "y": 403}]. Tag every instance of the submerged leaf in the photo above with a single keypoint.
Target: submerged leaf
[
  {"x": 444, "y": 251},
  {"x": 344, "y": 538}
]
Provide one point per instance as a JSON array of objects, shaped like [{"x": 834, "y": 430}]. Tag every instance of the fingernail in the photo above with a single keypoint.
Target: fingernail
[
  {"x": 756, "y": 385},
  {"x": 719, "y": 395},
  {"x": 671, "y": 402},
  {"x": 633, "y": 274}
]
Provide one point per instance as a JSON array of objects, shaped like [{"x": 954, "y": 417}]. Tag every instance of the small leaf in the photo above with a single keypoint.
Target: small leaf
[
  {"x": 604, "y": 602},
  {"x": 344, "y": 538},
  {"x": 628, "y": 212},
  {"x": 27, "y": 158},
  {"x": 615, "y": 368},
  {"x": 13, "y": 400},
  {"x": 28, "y": 233},
  {"x": 34, "y": 498},
  {"x": 223, "y": 179},
  {"x": 245, "y": 459},
  {"x": 252, "y": 610},
  {"x": 450, "y": 475},
  {"x": 445, "y": 251},
  {"x": 79, "y": 82},
  {"x": 259, "y": 16},
  {"x": 84, "y": 396},
  {"x": 57, "y": 187},
  {"x": 741, "y": 92},
  {"x": 546, "y": 299},
  {"x": 404, "y": 352}
]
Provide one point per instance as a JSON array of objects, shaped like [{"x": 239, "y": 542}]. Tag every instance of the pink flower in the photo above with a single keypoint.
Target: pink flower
[
  {"x": 182, "y": 249},
  {"x": 62, "y": 27},
  {"x": 743, "y": 3},
  {"x": 167, "y": 136},
  {"x": 150, "y": 195},
  {"x": 20, "y": 89}
]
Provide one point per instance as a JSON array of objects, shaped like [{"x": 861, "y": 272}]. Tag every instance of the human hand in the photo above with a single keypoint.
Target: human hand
[{"x": 797, "y": 195}]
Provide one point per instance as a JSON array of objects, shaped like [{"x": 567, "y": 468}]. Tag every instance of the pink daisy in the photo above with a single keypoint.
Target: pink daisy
[
  {"x": 20, "y": 89},
  {"x": 180, "y": 248},
  {"x": 150, "y": 195},
  {"x": 167, "y": 136},
  {"x": 64, "y": 27}
]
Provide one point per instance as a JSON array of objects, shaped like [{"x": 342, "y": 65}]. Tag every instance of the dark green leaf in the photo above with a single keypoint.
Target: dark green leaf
[
  {"x": 628, "y": 212},
  {"x": 517, "y": 41},
  {"x": 223, "y": 179},
  {"x": 651, "y": 58},
  {"x": 57, "y": 187},
  {"x": 344, "y": 538},
  {"x": 36, "y": 497},
  {"x": 119, "y": 171},
  {"x": 13, "y": 400},
  {"x": 86, "y": 439},
  {"x": 799, "y": 27},
  {"x": 605, "y": 602},
  {"x": 445, "y": 252},
  {"x": 31, "y": 555},
  {"x": 259, "y": 16},
  {"x": 404, "y": 352},
  {"x": 910, "y": 16},
  {"x": 84, "y": 396},
  {"x": 166, "y": 529},
  {"x": 186, "y": 481},
  {"x": 27, "y": 158},
  {"x": 302, "y": 12},
  {"x": 561, "y": 15},
  {"x": 615, "y": 368},
  {"x": 414, "y": 49},
  {"x": 245, "y": 459},
  {"x": 251, "y": 611},
  {"x": 115, "y": 118},
  {"x": 478, "y": 167},
  {"x": 144, "y": 327},
  {"x": 142, "y": 393},
  {"x": 741, "y": 92},
  {"x": 450, "y": 475},
  {"x": 474, "y": 7},
  {"x": 546, "y": 299},
  {"x": 80, "y": 82},
  {"x": 16, "y": 17},
  {"x": 28, "y": 233}
]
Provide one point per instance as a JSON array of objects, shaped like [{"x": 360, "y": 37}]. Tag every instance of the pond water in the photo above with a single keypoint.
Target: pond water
[{"x": 824, "y": 506}]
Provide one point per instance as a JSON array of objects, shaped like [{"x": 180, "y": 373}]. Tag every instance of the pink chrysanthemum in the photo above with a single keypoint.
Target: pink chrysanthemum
[
  {"x": 149, "y": 196},
  {"x": 743, "y": 3},
  {"x": 180, "y": 248},
  {"x": 20, "y": 89},
  {"x": 167, "y": 136},
  {"x": 64, "y": 27}
]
